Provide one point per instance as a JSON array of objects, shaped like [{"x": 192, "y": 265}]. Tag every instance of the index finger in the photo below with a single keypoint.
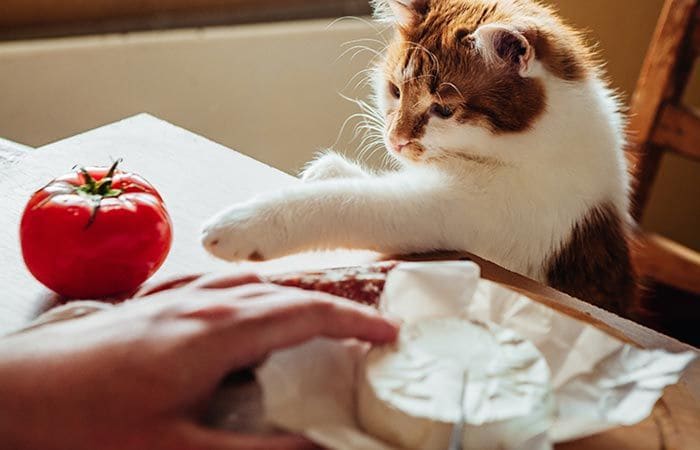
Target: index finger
[{"x": 280, "y": 321}]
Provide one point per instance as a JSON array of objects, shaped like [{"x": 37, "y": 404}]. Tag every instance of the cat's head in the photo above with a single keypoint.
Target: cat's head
[{"x": 460, "y": 74}]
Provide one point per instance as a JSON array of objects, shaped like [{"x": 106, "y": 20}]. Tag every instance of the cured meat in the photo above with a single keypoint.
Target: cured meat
[{"x": 363, "y": 284}]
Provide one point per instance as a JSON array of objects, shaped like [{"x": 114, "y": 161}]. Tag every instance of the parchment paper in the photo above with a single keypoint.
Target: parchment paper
[{"x": 599, "y": 382}]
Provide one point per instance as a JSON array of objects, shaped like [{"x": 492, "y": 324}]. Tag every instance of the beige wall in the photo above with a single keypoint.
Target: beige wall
[{"x": 271, "y": 91}]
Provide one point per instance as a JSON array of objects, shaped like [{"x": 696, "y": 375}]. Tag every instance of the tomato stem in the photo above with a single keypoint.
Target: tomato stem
[
  {"x": 113, "y": 168},
  {"x": 98, "y": 190},
  {"x": 93, "y": 191},
  {"x": 89, "y": 182},
  {"x": 102, "y": 188}
]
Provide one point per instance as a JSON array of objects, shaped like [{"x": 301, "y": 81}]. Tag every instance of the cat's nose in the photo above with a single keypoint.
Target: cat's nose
[{"x": 398, "y": 144}]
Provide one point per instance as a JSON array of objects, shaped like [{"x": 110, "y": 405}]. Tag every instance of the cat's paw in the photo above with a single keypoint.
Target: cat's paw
[
  {"x": 249, "y": 231},
  {"x": 330, "y": 165}
]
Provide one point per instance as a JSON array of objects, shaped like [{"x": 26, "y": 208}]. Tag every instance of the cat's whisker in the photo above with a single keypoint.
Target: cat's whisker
[
  {"x": 371, "y": 137},
  {"x": 372, "y": 126},
  {"x": 345, "y": 123},
  {"x": 368, "y": 131},
  {"x": 453, "y": 86},
  {"x": 372, "y": 25},
  {"x": 368, "y": 126},
  {"x": 371, "y": 130},
  {"x": 369, "y": 150},
  {"x": 356, "y": 41},
  {"x": 369, "y": 134},
  {"x": 361, "y": 152},
  {"x": 390, "y": 162},
  {"x": 368, "y": 117},
  {"x": 371, "y": 154},
  {"x": 373, "y": 117},
  {"x": 371, "y": 121},
  {"x": 366, "y": 109},
  {"x": 356, "y": 45},
  {"x": 363, "y": 74},
  {"x": 360, "y": 129},
  {"x": 367, "y": 140},
  {"x": 377, "y": 120},
  {"x": 374, "y": 137},
  {"x": 364, "y": 82},
  {"x": 358, "y": 49}
]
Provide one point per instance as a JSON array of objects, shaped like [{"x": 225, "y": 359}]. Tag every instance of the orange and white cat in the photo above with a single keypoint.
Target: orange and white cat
[{"x": 510, "y": 144}]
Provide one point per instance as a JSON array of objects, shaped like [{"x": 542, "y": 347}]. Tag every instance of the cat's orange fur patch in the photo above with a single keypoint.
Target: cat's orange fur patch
[{"x": 433, "y": 59}]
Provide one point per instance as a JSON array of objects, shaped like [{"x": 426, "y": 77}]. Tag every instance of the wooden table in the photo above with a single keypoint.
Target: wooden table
[{"x": 182, "y": 166}]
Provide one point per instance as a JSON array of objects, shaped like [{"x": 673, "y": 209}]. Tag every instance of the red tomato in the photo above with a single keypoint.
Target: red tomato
[{"x": 95, "y": 233}]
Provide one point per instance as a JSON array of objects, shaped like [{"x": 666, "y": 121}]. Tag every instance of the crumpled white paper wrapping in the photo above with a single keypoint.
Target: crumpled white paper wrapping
[{"x": 599, "y": 382}]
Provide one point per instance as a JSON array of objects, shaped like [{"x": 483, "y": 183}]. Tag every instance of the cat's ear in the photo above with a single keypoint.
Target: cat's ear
[
  {"x": 404, "y": 13},
  {"x": 503, "y": 44}
]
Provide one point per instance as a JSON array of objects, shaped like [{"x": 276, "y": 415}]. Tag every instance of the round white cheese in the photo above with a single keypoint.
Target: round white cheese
[{"x": 409, "y": 393}]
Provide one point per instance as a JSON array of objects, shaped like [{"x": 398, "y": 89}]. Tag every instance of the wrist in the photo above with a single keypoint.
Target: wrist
[{"x": 16, "y": 424}]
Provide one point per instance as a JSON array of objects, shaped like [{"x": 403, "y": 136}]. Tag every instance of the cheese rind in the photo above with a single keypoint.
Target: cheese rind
[{"x": 409, "y": 392}]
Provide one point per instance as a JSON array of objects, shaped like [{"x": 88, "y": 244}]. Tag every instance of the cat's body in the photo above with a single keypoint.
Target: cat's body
[{"x": 511, "y": 145}]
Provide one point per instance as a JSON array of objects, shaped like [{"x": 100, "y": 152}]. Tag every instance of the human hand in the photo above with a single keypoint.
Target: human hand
[{"x": 139, "y": 375}]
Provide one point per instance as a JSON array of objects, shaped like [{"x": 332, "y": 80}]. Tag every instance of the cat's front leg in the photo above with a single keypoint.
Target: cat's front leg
[
  {"x": 385, "y": 215},
  {"x": 328, "y": 165},
  {"x": 256, "y": 230}
]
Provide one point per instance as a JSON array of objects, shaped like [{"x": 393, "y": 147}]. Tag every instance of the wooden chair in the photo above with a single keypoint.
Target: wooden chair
[{"x": 659, "y": 122}]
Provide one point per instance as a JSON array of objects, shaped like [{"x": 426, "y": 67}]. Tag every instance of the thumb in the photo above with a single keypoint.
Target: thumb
[{"x": 198, "y": 437}]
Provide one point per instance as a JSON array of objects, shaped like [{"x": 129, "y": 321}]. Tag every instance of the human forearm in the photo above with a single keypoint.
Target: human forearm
[{"x": 21, "y": 401}]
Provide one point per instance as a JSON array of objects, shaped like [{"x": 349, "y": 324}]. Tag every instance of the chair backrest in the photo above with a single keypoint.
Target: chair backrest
[{"x": 658, "y": 119}]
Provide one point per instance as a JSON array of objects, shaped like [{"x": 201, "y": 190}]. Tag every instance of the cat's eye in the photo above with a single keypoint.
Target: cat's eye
[
  {"x": 441, "y": 111},
  {"x": 395, "y": 91}
]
